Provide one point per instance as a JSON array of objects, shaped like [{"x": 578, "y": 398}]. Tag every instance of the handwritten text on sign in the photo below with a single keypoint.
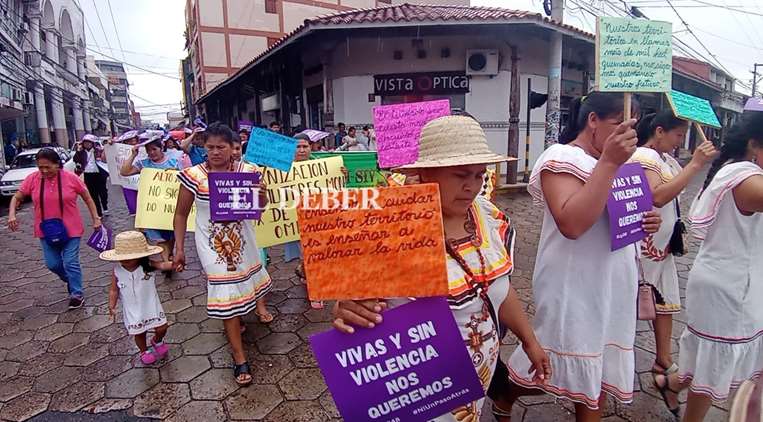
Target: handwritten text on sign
[
  {"x": 398, "y": 128},
  {"x": 693, "y": 108},
  {"x": 412, "y": 367},
  {"x": 234, "y": 196},
  {"x": 278, "y": 223},
  {"x": 270, "y": 149},
  {"x": 370, "y": 241},
  {"x": 157, "y": 197},
  {"x": 629, "y": 199},
  {"x": 116, "y": 155},
  {"x": 633, "y": 55}
]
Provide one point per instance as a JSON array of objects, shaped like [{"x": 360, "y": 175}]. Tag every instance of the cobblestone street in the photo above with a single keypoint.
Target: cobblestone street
[{"x": 56, "y": 360}]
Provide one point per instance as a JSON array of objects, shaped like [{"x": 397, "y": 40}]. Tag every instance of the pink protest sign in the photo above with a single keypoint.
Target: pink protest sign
[{"x": 398, "y": 128}]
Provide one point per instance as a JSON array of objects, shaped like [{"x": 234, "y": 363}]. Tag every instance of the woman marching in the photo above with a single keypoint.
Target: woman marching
[
  {"x": 157, "y": 159},
  {"x": 660, "y": 134},
  {"x": 479, "y": 242},
  {"x": 54, "y": 193},
  {"x": 584, "y": 293},
  {"x": 89, "y": 153},
  {"x": 227, "y": 250},
  {"x": 722, "y": 345}
]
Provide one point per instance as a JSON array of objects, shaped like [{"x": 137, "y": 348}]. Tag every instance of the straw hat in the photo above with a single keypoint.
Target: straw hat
[
  {"x": 454, "y": 141},
  {"x": 130, "y": 245}
]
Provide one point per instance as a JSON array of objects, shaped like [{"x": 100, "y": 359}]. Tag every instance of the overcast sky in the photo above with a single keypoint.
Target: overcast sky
[{"x": 151, "y": 35}]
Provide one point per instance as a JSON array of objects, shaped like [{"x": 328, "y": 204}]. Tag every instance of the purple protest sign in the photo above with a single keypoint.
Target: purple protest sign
[
  {"x": 234, "y": 196},
  {"x": 754, "y": 104},
  {"x": 131, "y": 199},
  {"x": 245, "y": 124},
  {"x": 629, "y": 199},
  {"x": 412, "y": 367},
  {"x": 101, "y": 239},
  {"x": 398, "y": 127}
]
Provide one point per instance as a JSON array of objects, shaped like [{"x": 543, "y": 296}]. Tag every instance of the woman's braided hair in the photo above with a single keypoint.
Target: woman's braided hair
[{"x": 735, "y": 145}]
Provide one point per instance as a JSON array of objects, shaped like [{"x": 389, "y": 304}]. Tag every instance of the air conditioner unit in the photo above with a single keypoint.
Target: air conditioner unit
[
  {"x": 28, "y": 98},
  {"x": 482, "y": 62}
]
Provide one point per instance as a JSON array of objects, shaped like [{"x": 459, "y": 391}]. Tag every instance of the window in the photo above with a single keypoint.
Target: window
[{"x": 270, "y": 6}]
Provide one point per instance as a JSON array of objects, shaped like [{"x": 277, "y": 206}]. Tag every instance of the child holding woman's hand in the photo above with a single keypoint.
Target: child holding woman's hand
[{"x": 133, "y": 282}]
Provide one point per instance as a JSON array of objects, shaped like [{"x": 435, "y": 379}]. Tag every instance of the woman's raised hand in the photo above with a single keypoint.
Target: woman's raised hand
[
  {"x": 621, "y": 144},
  {"x": 362, "y": 313}
]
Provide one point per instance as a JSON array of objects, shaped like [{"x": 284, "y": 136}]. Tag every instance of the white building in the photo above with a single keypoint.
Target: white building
[
  {"x": 119, "y": 90},
  {"x": 336, "y": 68},
  {"x": 100, "y": 99}
]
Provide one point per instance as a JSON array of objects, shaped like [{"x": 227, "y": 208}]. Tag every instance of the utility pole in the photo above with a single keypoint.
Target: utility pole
[
  {"x": 554, "y": 76},
  {"x": 755, "y": 77}
]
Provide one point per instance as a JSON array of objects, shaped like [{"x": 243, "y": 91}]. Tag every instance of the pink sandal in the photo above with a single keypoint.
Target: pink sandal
[
  {"x": 316, "y": 304},
  {"x": 147, "y": 357},
  {"x": 161, "y": 348}
]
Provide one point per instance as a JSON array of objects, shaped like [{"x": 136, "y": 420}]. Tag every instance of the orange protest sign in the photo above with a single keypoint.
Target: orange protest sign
[{"x": 374, "y": 243}]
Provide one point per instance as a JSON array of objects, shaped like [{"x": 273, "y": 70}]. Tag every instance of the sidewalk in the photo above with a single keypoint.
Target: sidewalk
[{"x": 55, "y": 360}]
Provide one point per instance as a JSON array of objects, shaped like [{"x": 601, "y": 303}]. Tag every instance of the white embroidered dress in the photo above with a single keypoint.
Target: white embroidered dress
[
  {"x": 585, "y": 300},
  {"x": 722, "y": 345},
  {"x": 659, "y": 264},
  {"x": 141, "y": 308}
]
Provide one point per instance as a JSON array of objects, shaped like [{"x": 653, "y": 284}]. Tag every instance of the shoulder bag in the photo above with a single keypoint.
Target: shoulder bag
[
  {"x": 677, "y": 244},
  {"x": 53, "y": 229}
]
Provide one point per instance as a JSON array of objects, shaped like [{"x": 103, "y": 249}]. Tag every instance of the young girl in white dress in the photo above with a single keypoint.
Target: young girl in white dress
[
  {"x": 659, "y": 135},
  {"x": 133, "y": 283},
  {"x": 584, "y": 293},
  {"x": 722, "y": 345}
]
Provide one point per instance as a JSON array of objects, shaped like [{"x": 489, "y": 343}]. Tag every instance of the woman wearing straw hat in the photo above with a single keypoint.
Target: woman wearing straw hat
[
  {"x": 228, "y": 252},
  {"x": 133, "y": 283},
  {"x": 479, "y": 241}
]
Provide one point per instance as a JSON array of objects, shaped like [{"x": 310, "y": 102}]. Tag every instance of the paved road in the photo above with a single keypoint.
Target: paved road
[{"x": 53, "y": 360}]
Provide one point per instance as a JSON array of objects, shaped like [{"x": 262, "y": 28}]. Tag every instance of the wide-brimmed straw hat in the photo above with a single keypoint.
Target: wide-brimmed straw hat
[
  {"x": 454, "y": 141},
  {"x": 130, "y": 245}
]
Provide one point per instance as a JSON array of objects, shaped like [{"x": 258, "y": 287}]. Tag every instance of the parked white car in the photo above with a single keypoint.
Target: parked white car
[{"x": 22, "y": 166}]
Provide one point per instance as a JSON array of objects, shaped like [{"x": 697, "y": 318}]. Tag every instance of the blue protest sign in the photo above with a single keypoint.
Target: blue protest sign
[{"x": 270, "y": 149}]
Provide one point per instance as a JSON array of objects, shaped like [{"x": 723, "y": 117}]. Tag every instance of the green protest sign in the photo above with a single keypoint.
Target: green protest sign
[
  {"x": 693, "y": 108},
  {"x": 633, "y": 55},
  {"x": 362, "y": 167}
]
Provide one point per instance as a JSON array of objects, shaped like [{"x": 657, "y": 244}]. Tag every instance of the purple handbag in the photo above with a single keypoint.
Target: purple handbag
[{"x": 101, "y": 240}]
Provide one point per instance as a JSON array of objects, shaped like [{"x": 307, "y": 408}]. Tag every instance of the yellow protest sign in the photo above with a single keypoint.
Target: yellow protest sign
[
  {"x": 278, "y": 224},
  {"x": 157, "y": 196}
]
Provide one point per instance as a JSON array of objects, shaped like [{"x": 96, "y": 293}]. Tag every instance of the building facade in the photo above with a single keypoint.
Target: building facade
[
  {"x": 100, "y": 99},
  {"x": 222, "y": 36},
  {"x": 336, "y": 68},
  {"x": 44, "y": 71},
  {"x": 119, "y": 91}
]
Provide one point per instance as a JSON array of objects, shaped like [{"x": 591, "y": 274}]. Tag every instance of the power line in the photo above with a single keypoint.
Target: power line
[
  {"x": 101, "y": 22},
  {"x": 116, "y": 29}
]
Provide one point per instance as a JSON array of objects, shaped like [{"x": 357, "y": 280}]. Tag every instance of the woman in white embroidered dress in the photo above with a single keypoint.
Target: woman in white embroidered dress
[
  {"x": 659, "y": 135},
  {"x": 227, "y": 250},
  {"x": 585, "y": 294},
  {"x": 479, "y": 242},
  {"x": 722, "y": 345}
]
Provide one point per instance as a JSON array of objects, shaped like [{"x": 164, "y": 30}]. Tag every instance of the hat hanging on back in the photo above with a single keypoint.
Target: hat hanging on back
[
  {"x": 130, "y": 245},
  {"x": 451, "y": 141}
]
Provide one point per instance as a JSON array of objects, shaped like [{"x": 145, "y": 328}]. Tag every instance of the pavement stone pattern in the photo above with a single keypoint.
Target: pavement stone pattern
[{"x": 54, "y": 361}]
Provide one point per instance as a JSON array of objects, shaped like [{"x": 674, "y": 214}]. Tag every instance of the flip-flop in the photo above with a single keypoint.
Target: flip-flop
[
  {"x": 664, "y": 393},
  {"x": 499, "y": 413},
  {"x": 240, "y": 369},
  {"x": 316, "y": 304},
  {"x": 265, "y": 318}
]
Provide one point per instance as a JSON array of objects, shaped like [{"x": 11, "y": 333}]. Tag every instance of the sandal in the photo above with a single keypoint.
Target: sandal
[
  {"x": 316, "y": 304},
  {"x": 239, "y": 370},
  {"x": 264, "y": 318},
  {"x": 499, "y": 413},
  {"x": 663, "y": 390}
]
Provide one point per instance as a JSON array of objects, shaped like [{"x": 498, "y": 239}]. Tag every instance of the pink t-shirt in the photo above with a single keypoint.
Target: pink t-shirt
[{"x": 71, "y": 187}]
